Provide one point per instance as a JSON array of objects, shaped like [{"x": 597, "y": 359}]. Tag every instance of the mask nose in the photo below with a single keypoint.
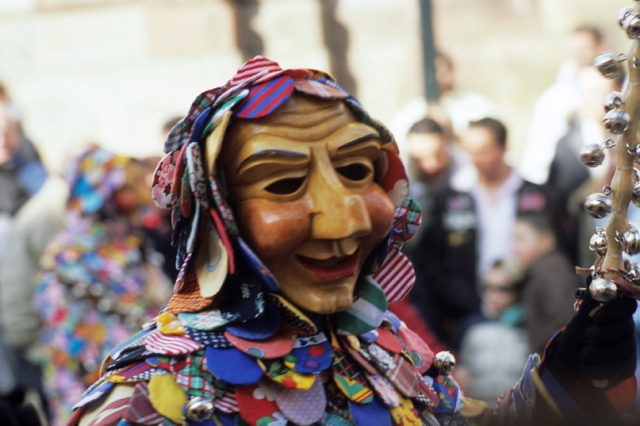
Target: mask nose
[{"x": 337, "y": 211}]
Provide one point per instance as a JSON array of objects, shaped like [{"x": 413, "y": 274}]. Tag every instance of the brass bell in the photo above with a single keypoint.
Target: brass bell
[
  {"x": 607, "y": 64},
  {"x": 635, "y": 195},
  {"x": 631, "y": 25},
  {"x": 592, "y": 155},
  {"x": 603, "y": 290},
  {"x": 444, "y": 361},
  {"x": 597, "y": 205},
  {"x": 199, "y": 408},
  {"x": 616, "y": 122},
  {"x": 623, "y": 14},
  {"x": 613, "y": 101},
  {"x": 598, "y": 242},
  {"x": 631, "y": 240}
]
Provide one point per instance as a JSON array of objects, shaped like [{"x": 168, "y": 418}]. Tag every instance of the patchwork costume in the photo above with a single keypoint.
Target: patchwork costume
[{"x": 230, "y": 349}]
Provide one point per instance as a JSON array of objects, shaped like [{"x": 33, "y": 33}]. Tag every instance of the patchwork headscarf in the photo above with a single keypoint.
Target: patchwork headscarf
[{"x": 212, "y": 255}]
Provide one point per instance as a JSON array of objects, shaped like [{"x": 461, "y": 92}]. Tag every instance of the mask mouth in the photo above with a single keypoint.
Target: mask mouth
[{"x": 333, "y": 268}]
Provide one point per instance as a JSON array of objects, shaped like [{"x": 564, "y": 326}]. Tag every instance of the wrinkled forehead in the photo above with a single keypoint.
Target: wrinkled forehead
[{"x": 300, "y": 120}]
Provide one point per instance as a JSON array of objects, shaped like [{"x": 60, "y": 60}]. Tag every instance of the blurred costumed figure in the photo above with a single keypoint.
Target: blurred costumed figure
[{"x": 100, "y": 279}]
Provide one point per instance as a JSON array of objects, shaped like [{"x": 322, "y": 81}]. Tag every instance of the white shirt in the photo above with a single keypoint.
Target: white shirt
[{"x": 496, "y": 218}]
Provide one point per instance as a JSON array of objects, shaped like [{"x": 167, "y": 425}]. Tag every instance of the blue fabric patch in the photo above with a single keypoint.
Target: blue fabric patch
[
  {"x": 373, "y": 413},
  {"x": 232, "y": 366},
  {"x": 260, "y": 328}
]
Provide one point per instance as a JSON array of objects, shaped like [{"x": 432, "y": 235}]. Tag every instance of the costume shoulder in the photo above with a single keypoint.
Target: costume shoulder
[{"x": 201, "y": 369}]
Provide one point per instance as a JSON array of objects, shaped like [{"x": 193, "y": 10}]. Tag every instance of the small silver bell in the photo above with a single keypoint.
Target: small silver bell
[
  {"x": 607, "y": 64},
  {"x": 635, "y": 195},
  {"x": 199, "y": 408},
  {"x": 444, "y": 361},
  {"x": 623, "y": 14},
  {"x": 631, "y": 240},
  {"x": 597, "y": 205},
  {"x": 631, "y": 25},
  {"x": 635, "y": 152},
  {"x": 592, "y": 155},
  {"x": 603, "y": 290},
  {"x": 633, "y": 274},
  {"x": 598, "y": 242},
  {"x": 616, "y": 122},
  {"x": 613, "y": 101}
]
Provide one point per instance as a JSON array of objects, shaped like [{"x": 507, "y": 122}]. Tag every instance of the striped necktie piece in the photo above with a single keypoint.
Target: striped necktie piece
[{"x": 266, "y": 97}]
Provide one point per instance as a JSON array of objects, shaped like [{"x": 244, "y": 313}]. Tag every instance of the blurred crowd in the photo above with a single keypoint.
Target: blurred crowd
[{"x": 86, "y": 259}]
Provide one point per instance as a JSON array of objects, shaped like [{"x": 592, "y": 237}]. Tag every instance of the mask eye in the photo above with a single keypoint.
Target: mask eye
[
  {"x": 354, "y": 172},
  {"x": 285, "y": 186}
]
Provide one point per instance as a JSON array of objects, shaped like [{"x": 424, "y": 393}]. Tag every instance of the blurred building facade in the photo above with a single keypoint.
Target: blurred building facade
[{"x": 113, "y": 71}]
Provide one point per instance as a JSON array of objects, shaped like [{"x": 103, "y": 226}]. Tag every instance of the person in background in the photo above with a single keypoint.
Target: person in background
[
  {"x": 499, "y": 192},
  {"x": 554, "y": 109},
  {"x": 455, "y": 108},
  {"x": 495, "y": 347},
  {"x": 21, "y": 181},
  {"x": 549, "y": 282},
  {"x": 444, "y": 291},
  {"x": 100, "y": 279}
]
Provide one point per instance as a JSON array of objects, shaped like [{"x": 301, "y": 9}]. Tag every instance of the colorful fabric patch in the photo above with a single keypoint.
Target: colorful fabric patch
[
  {"x": 162, "y": 181},
  {"x": 389, "y": 341},
  {"x": 374, "y": 413},
  {"x": 227, "y": 403},
  {"x": 259, "y": 328},
  {"x": 167, "y": 397},
  {"x": 189, "y": 298},
  {"x": 448, "y": 393},
  {"x": 384, "y": 389},
  {"x": 303, "y": 407},
  {"x": 207, "y": 320},
  {"x": 319, "y": 89},
  {"x": 133, "y": 373},
  {"x": 277, "y": 370},
  {"x": 211, "y": 262},
  {"x": 256, "y": 265},
  {"x": 264, "y": 98},
  {"x": 313, "y": 354},
  {"x": 134, "y": 341},
  {"x": 233, "y": 366},
  {"x": 169, "y": 324},
  {"x": 419, "y": 352},
  {"x": 347, "y": 377},
  {"x": 215, "y": 339},
  {"x": 407, "y": 219},
  {"x": 159, "y": 343},
  {"x": 257, "y": 406},
  {"x": 140, "y": 410},
  {"x": 94, "y": 394},
  {"x": 127, "y": 357},
  {"x": 273, "y": 347},
  {"x": 405, "y": 414},
  {"x": 367, "y": 311},
  {"x": 257, "y": 67},
  {"x": 197, "y": 179},
  {"x": 293, "y": 316},
  {"x": 110, "y": 414},
  {"x": 396, "y": 276}
]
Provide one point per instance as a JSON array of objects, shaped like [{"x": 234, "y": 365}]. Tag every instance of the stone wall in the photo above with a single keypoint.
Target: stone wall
[{"x": 113, "y": 71}]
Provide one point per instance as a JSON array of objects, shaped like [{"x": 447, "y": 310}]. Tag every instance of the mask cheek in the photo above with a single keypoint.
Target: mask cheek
[
  {"x": 380, "y": 208},
  {"x": 273, "y": 230}
]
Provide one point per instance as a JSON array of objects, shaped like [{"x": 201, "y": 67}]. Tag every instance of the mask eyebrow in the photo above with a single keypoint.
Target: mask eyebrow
[
  {"x": 358, "y": 140},
  {"x": 255, "y": 159}
]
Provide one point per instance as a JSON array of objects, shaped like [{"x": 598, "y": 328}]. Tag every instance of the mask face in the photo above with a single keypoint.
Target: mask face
[{"x": 301, "y": 181}]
